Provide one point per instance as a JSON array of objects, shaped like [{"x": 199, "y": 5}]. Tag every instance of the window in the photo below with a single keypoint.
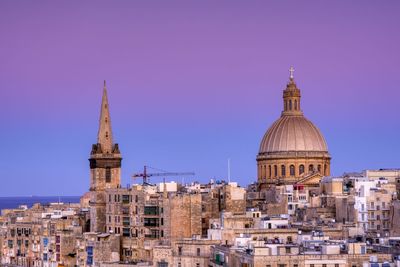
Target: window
[
  {"x": 310, "y": 168},
  {"x": 198, "y": 251},
  {"x": 283, "y": 170},
  {"x": 290, "y": 104},
  {"x": 336, "y": 264},
  {"x": 126, "y": 232},
  {"x": 125, "y": 199},
  {"x": 269, "y": 171},
  {"x": 108, "y": 175},
  {"x": 323, "y": 265},
  {"x": 287, "y": 250},
  {"x": 291, "y": 170},
  {"x": 295, "y": 265},
  {"x": 301, "y": 169},
  {"x": 295, "y": 105},
  {"x": 125, "y": 221},
  {"x": 180, "y": 251},
  {"x": 319, "y": 168},
  {"x": 275, "y": 170},
  {"x": 311, "y": 265}
]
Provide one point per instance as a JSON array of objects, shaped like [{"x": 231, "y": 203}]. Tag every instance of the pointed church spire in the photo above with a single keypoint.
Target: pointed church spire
[{"x": 104, "y": 136}]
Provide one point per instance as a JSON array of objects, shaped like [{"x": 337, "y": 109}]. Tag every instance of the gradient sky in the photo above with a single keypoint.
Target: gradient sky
[{"x": 190, "y": 84}]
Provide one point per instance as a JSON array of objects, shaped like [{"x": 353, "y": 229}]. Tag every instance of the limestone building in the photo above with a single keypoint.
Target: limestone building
[
  {"x": 105, "y": 168},
  {"x": 293, "y": 150}
]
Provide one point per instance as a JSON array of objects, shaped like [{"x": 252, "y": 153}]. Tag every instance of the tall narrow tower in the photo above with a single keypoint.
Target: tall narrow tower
[{"x": 105, "y": 168}]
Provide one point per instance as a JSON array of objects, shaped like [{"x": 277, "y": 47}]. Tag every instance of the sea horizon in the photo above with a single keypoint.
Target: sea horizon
[{"x": 12, "y": 202}]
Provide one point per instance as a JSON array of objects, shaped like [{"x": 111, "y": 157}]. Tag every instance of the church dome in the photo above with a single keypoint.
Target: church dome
[
  {"x": 293, "y": 148},
  {"x": 291, "y": 134}
]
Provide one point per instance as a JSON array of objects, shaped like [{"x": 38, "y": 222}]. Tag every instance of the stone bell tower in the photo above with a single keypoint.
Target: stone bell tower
[{"x": 105, "y": 168}]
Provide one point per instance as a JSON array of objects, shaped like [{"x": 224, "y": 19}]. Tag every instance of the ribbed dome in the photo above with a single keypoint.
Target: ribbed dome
[{"x": 293, "y": 134}]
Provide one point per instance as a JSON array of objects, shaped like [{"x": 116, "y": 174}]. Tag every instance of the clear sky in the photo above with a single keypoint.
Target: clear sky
[{"x": 190, "y": 84}]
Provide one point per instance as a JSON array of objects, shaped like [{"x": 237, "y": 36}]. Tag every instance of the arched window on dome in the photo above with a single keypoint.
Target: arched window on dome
[
  {"x": 290, "y": 104},
  {"x": 285, "y": 104},
  {"x": 325, "y": 170},
  {"x": 283, "y": 170},
  {"x": 295, "y": 105},
  {"x": 275, "y": 171},
  {"x": 301, "y": 169},
  {"x": 310, "y": 168},
  {"x": 264, "y": 175},
  {"x": 269, "y": 171},
  {"x": 291, "y": 170},
  {"x": 319, "y": 168}
]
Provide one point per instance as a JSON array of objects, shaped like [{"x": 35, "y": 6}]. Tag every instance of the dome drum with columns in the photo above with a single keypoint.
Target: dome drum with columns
[{"x": 293, "y": 150}]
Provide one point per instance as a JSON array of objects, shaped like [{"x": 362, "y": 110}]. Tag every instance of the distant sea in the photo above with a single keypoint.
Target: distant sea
[{"x": 14, "y": 202}]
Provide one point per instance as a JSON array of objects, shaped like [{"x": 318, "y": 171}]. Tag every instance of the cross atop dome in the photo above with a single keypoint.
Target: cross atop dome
[{"x": 291, "y": 71}]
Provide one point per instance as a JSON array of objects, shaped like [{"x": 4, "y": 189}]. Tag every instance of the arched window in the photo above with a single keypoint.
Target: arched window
[
  {"x": 290, "y": 104},
  {"x": 264, "y": 175},
  {"x": 301, "y": 169},
  {"x": 275, "y": 170},
  {"x": 269, "y": 171},
  {"x": 319, "y": 168},
  {"x": 283, "y": 170},
  {"x": 325, "y": 170},
  {"x": 285, "y": 104},
  {"x": 295, "y": 105},
  {"x": 310, "y": 168},
  {"x": 291, "y": 170}
]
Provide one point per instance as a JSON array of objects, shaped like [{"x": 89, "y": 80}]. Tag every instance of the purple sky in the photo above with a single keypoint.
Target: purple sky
[{"x": 190, "y": 84}]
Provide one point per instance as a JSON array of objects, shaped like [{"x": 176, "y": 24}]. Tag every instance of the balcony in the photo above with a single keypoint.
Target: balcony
[
  {"x": 151, "y": 222},
  {"x": 151, "y": 210}
]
